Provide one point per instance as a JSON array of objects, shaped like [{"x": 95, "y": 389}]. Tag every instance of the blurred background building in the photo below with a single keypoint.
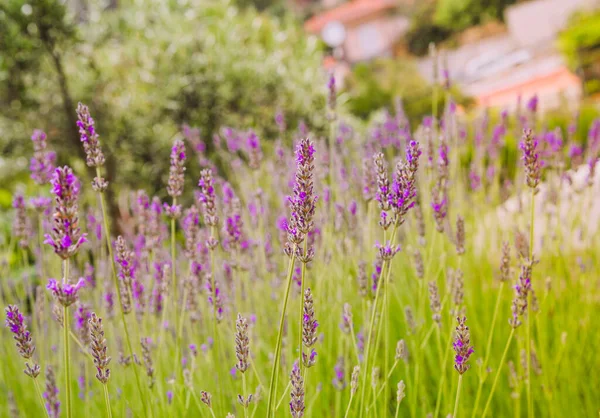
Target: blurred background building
[{"x": 494, "y": 62}]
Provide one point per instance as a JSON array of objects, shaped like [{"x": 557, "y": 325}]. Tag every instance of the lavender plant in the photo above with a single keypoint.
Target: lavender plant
[{"x": 196, "y": 283}]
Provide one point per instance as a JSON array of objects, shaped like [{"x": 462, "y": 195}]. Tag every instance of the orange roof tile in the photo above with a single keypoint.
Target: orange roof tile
[{"x": 347, "y": 12}]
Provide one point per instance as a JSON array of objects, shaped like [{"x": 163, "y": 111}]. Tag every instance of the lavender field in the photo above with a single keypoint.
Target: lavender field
[{"x": 360, "y": 274}]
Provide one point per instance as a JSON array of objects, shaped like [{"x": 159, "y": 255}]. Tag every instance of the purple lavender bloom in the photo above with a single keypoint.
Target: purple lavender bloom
[
  {"x": 254, "y": 152},
  {"x": 65, "y": 293},
  {"x": 280, "y": 121},
  {"x": 303, "y": 201},
  {"x": 177, "y": 169},
  {"x": 532, "y": 104},
  {"x": 40, "y": 203},
  {"x": 575, "y": 151},
  {"x": 439, "y": 203},
  {"x": 530, "y": 159},
  {"x": 462, "y": 346},
  {"x": 554, "y": 141},
  {"x": 21, "y": 227},
  {"x": 66, "y": 236},
  {"x": 339, "y": 381},
  {"x": 387, "y": 251},
  {"x": 89, "y": 137},
  {"x": 474, "y": 179},
  {"x": 404, "y": 187},
  {"x": 217, "y": 301},
  {"x": 42, "y": 162},
  {"x": 232, "y": 139},
  {"x": 169, "y": 396},
  {"x": 16, "y": 323},
  {"x": 353, "y": 207},
  {"x": 332, "y": 97},
  {"x": 297, "y": 392},
  {"x": 51, "y": 394},
  {"x": 207, "y": 197}
]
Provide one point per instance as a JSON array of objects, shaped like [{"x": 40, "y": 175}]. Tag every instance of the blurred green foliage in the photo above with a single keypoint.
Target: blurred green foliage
[
  {"x": 580, "y": 43},
  {"x": 375, "y": 85},
  {"x": 146, "y": 67},
  {"x": 438, "y": 20}
]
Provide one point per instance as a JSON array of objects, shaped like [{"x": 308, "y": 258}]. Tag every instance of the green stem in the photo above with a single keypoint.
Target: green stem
[
  {"x": 489, "y": 401},
  {"x": 438, "y": 402},
  {"x": 244, "y": 394},
  {"x": 40, "y": 397},
  {"x": 301, "y": 321},
  {"x": 272, "y": 389},
  {"x": 217, "y": 345},
  {"x": 349, "y": 405},
  {"x": 107, "y": 401},
  {"x": 67, "y": 354},
  {"x": 118, "y": 292},
  {"x": 283, "y": 395},
  {"x": 41, "y": 239},
  {"x": 455, "y": 414},
  {"x": 529, "y": 398},
  {"x": 488, "y": 349},
  {"x": 380, "y": 284},
  {"x": 381, "y": 389},
  {"x": 175, "y": 296}
]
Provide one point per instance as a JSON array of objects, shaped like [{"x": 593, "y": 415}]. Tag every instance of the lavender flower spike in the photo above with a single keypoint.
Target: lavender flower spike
[
  {"x": 65, "y": 293},
  {"x": 51, "y": 394},
  {"x": 531, "y": 159},
  {"x": 89, "y": 137},
  {"x": 309, "y": 323},
  {"x": 207, "y": 198},
  {"x": 98, "y": 348},
  {"x": 254, "y": 152},
  {"x": 462, "y": 346},
  {"x": 297, "y": 393},
  {"x": 242, "y": 343},
  {"x": 177, "y": 169},
  {"x": 404, "y": 187},
  {"x": 16, "y": 323},
  {"x": 66, "y": 237},
  {"x": 20, "y": 223},
  {"x": 42, "y": 162},
  {"x": 303, "y": 201},
  {"x": 522, "y": 289}
]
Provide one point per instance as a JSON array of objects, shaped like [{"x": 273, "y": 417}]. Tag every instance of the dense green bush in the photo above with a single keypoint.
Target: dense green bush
[
  {"x": 147, "y": 67},
  {"x": 580, "y": 43}
]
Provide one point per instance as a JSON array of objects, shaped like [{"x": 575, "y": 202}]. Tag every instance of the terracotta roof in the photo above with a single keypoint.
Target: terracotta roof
[{"x": 347, "y": 12}]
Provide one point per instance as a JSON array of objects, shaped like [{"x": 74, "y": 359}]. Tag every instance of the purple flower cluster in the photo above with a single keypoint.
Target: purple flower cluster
[
  {"x": 522, "y": 290},
  {"x": 297, "y": 392},
  {"x": 16, "y": 323},
  {"x": 43, "y": 161},
  {"x": 531, "y": 159},
  {"x": 177, "y": 169},
  {"x": 217, "y": 300},
  {"x": 65, "y": 293},
  {"x": 462, "y": 346},
  {"x": 51, "y": 394},
  {"x": 254, "y": 152},
  {"x": 303, "y": 201},
  {"x": 404, "y": 187},
  {"x": 21, "y": 227},
  {"x": 207, "y": 198},
  {"x": 66, "y": 236},
  {"x": 89, "y": 137}
]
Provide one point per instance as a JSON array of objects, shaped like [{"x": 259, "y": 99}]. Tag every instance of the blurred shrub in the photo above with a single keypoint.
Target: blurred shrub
[
  {"x": 580, "y": 43},
  {"x": 145, "y": 68},
  {"x": 375, "y": 85},
  {"x": 437, "y": 21}
]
